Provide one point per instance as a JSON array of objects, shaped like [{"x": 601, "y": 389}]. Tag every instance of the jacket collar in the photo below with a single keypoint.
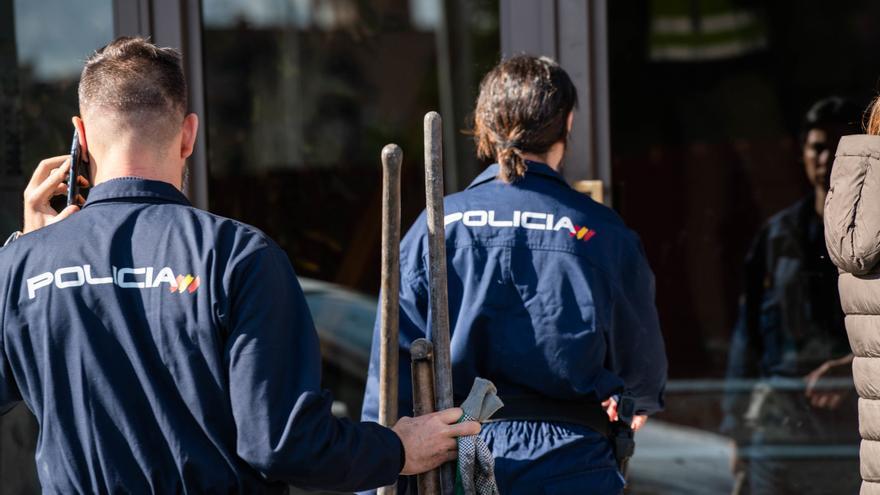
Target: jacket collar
[
  {"x": 135, "y": 189},
  {"x": 532, "y": 168}
]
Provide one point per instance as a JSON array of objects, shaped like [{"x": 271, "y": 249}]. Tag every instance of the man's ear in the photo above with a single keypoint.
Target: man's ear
[
  {"x": 81, "y": 131},
  {"x": 570, "y": 121},
  {"x": 188, "y": 135}
]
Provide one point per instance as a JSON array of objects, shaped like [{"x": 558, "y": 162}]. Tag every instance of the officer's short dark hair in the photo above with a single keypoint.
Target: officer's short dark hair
[
  {"x": 833, "y": 112},
  {"x": 137, "y": 79},
  {"x": 523, "y": 107}
]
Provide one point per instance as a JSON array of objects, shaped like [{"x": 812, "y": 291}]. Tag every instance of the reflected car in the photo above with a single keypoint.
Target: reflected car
[{"x": 344, "y": 320}]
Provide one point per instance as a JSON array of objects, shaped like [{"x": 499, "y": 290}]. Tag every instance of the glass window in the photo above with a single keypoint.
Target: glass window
[
  {"x": 301, "y": 96},
  {"x": 42, "y": 48},
  {"x": 713, "y": 166}
]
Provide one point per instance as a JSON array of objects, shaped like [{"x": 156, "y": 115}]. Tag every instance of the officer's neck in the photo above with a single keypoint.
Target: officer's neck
[
  {"x": 553, "y": 156},
  {"x": 128, "y": 161}
]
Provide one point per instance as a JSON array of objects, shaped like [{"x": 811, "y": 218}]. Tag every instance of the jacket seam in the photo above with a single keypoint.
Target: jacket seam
[
  {"x": 417, "y": 282},
  {"x": 137, "y": 200},
  {"x": 852, "y": 224},
  {"x": 418, "y": 274},
  {"x": 246, "y": 259},
  {"x": 513, "y": 244},
  {"x": 856, "y": 205},
  {"x": 861, "y": 154},
  {"x": 6, "y": 295},
  {"x": 225, "y": 330}
]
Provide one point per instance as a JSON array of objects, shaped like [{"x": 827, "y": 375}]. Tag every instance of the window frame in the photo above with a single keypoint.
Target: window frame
[{"x": 176, "y": 23}]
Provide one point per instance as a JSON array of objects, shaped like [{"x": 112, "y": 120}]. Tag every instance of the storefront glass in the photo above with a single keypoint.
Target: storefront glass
[
  {"x": 301, "y": 96},
  {"x": 710, "y": 165},
  {"x": 42, "y": 47}
]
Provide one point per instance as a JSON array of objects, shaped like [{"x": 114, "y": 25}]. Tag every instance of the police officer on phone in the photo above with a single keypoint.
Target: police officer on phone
[
  {"x": 550, "y": 297},
  {"x": 164, "y": 349}
]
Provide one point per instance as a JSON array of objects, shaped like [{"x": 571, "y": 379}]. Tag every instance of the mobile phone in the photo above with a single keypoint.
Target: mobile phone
[{"x": 77, "y": 168}]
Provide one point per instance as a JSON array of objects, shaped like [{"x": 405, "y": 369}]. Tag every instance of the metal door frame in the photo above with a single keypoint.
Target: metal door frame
[
  {"x": 575, "y": 33},
  {"x": 175, "y": 23}
]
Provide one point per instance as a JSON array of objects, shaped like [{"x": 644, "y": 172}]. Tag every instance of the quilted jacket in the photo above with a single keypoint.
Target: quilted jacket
[{"x": 852, "y": 234}]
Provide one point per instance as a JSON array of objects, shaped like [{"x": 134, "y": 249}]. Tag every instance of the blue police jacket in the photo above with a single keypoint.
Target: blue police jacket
[
  {"x": 164, "y": 349},
  {"x": 549, "y": 295}
]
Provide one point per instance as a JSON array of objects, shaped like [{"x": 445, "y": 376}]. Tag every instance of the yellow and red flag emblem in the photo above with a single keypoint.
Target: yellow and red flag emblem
[
  {"x": 186, "y": 283},
  {"x": 582, "y": 233}
]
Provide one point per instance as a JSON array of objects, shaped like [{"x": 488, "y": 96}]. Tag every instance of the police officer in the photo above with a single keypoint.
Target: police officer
[
  {"x": 550, "y": 296},
  {"x": 163, "y": 349}
]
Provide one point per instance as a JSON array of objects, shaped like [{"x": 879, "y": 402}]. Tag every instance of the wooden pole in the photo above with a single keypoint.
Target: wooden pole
[
  {"x": 437, "y": 264},
  {"x": 389, "y": 351},
  {"x": 422, "y": 355}
]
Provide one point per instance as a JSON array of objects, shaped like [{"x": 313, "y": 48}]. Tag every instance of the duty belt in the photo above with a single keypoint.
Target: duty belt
[
  {"x": 534, "y": 408},
  {"x": 586, "y": 413}
]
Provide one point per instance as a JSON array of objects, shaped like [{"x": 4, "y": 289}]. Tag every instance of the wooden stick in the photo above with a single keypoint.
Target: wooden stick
[
  {"x": 422, "y": 355},
  {"x": 437, "y": 263},
  {"x": 389, "y": 350}
]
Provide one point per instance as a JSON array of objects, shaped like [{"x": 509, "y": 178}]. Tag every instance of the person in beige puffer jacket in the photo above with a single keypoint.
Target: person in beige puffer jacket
[{"x": 852, "y": 234}]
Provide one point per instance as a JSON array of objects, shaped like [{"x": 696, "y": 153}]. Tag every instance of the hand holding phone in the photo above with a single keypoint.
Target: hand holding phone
[{"x": 48, "y": 181}]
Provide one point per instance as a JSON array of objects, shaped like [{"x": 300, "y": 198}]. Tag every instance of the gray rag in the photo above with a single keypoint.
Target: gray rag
[{"x": 476, "y": 466}]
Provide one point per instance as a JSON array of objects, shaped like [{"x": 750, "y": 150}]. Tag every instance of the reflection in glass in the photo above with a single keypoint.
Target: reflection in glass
[
  {"x": 707, "y": 101},
  {"x": 42, "y": 48},
  {"x": 54, "y": 37},
  {"x": 301, "y": 97},
  {"x": 791, "y": 330}
]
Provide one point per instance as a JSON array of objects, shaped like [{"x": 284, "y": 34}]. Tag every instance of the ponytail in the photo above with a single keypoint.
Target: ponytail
[
  {"x": 508, "y": 153},
  {"x": 513, "y": 167}
]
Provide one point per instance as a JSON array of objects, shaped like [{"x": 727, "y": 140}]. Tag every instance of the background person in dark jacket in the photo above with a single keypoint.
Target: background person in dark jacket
[
  {"x": 790, "y": 335},
  {"x": 164, "y": 349},
  {"x": 550, "y": 295}
]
